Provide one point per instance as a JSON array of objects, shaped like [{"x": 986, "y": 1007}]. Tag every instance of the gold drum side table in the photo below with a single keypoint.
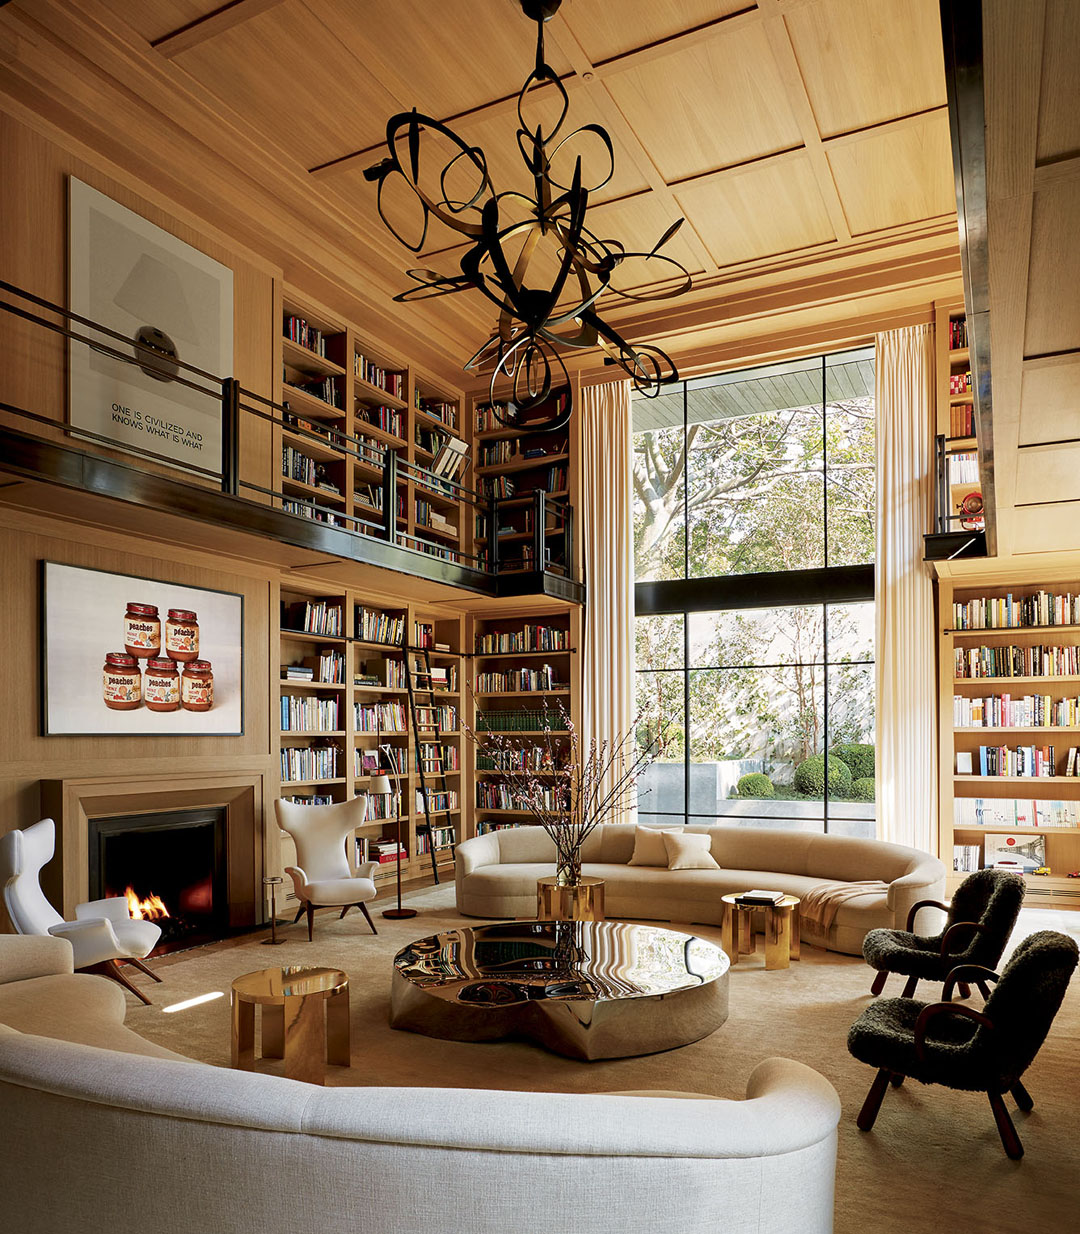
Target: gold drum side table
[
  {"x": 781, "y": 929},
  {"x": 584, "y": 901},
  {"x": 293, "y": 1026}
]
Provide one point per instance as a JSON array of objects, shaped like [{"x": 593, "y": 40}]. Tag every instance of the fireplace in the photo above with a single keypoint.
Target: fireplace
[{"x": 172, "y": 867}]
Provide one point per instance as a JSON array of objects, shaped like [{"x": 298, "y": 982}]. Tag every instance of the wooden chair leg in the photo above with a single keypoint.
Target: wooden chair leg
[
  {"x": 910, "y": 987},
  {"x": 879, "y": 982},
  {"x": 364, "y": 910},
  {"x": 310, "y": 919},
  {"x": 897, "y": 1079},
  {"x": 984, "y": 989},
  {"x": 143, "y": 968},
  {"x": 1010, "y": 1141},
  {"x": 299, "y": 914},
  {"x": 1022, "y": 1097},
  {"x": 874, "y": 1098},
  {"x": 964, "y": 988},
  {"x": 110, "y": 968},
  {"x": 345, "y": 910}
]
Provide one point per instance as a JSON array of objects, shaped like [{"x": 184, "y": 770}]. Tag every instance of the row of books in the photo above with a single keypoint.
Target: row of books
[
  {"x": 328, "y": 666},
  {"x": 431, "y": 516},
  {"x": 380, "y": 718},
  {"x": 310, "y": 799},
  {"x": 438, "y": 799},
  {"x": 1004, "y": 761},
  {"x": 433, "y": 759},
  {"x": 325, "y": 389},
  {"x": 958, "y": 336},
  {"x": 440, "y": 676},
  {"x": 382, "y": 806},
  {"x": 521, "y": 758},
  {"x": 304, "y": 509},
  {"x": 430, "y": 717},
  {"x": 432, "y": 549},
  {"x": 389, "y": 419},
  {"x": 967, "y": 858},
  {"x": 514, "y": 450},
  {"x": 496, "y": 486},
  {"x": 385, "y": 672},
  {"x": 1010, "y": 851},
  {"x": 496, "y": 795},
  {"x": 313, "y": 617},
  {"x": 486, "y": 420},
  {"x": 529, "y": 638},
  {"x": 440, "y": 837},
  {"x": 298, "y": 466},
  {"x": 309, "y": 763},
  {"x": 962, "y": 468},
  {"x": 518, "y": 680},
  {"x": 374, "y": 762},
  {"x": 522, "y": 720},
  {"x": 962, "y": 420},
  {"x": 372, "y": 848},
  {"x": 1004, "y": 711},
  {"x": 305, "y": 334},
  {"x": 960, "y": 383},
  {"x": 424, "y": 636},
  {"x": 375, "y": 375},
  {"x": 486, "y": 825},
  {"x": 438, "y": 409},
  {"x": 1005, "y": 813},
  {"x": 1044, "y": 608},
  {"x": 304, "y": 714},
  {"x": 1032, "y": 660},
  {"x": 375, "y": 626}
]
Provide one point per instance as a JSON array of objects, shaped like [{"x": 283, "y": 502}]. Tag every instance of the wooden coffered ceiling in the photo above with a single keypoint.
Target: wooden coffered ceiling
[{"x": 806, "y": 142}]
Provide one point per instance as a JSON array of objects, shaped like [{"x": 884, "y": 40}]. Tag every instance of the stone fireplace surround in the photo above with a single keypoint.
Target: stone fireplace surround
[{"x": 72, "y": 803}]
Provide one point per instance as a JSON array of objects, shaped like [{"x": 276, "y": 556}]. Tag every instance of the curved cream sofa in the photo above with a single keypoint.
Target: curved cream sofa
[
  {"x": 102, "y": 1132},
  {"x": 497, "y": 873}
]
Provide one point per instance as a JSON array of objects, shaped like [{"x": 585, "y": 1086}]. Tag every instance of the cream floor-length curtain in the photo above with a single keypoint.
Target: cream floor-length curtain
[
  {"x": 607, "y": 670},
  {"x": 906, "y": 682}
]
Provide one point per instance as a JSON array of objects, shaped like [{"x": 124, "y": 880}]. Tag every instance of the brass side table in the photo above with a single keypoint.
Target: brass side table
[
  {"x": 292, "y": 1001},
  {"x": 582, "y": 902},
  {"x": 781, "y": 929}
]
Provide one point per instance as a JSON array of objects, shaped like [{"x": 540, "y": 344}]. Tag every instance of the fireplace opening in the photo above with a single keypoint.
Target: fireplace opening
[{"x": 171, "y": 866}]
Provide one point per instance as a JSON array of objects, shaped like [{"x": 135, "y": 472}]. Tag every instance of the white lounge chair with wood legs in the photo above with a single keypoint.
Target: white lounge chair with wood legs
[
  {"x": 324, "y": 876},
  {"x": 103, "y": 932}
]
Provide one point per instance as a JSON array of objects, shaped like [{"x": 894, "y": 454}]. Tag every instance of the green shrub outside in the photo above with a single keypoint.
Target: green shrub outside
[
  {"x": 810, "y": 777},
  {"x": 862, "y": 789},
  {"x": 755, "y": 784},
  {"x": 859, "y": 757}
]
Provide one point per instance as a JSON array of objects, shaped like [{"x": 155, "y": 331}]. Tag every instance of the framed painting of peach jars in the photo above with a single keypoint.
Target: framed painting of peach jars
[{"x": 129, "y": 655}]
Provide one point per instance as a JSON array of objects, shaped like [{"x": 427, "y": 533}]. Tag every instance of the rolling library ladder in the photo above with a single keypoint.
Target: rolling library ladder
[{"x": 441, "y": 837}]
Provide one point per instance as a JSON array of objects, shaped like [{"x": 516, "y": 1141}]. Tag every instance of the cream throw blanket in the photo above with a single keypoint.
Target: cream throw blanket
[{"x": 820, "y": 906}]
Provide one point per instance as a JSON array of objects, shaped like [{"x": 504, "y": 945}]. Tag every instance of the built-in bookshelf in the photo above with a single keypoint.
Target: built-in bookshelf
[
  {"x": 1010, "y": 729},
  {"x": 349, "y": 402},
  {"x": 525, "y": 689},
  {"x": 512, "y": 468},
  {"x": 344, "y": 717},
  {"x": 956, "y": 420}
]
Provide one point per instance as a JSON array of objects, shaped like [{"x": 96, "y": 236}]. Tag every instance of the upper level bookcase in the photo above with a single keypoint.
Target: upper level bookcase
[
  {"x": 1010, "y": 711},
  {"x": 956, "y": 421},
  {"x": 349, "y": 401}
]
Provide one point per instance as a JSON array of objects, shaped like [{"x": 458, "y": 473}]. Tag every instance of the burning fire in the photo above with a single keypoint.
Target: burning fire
[{"x": 145, "y": 910}]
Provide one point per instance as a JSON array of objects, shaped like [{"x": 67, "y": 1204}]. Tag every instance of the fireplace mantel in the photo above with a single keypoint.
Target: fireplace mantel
[{"x": 72, "y": 803}]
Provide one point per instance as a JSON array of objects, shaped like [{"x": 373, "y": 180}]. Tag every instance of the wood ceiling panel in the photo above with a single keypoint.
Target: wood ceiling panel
[
  {"x": 1059, "y": 98},
  {"x": 288, "y": 74},
  {"x": 638, "y": 223},
  {"x": 1053, "y": 306},
  {"x": 605, "y": 30},
  {"x": 897, "y": 175},
  {"x": 1050, "y": 400},
  {"x": 712, "y": 105},
  {"x": 443, "y": 65},
  {"x": 759, "y": 212},
  {"x": 153, "y": 19},
  {"x": 865, "y": 63}
]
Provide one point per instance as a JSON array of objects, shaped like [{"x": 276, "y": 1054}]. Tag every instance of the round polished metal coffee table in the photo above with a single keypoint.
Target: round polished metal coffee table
[{"x": 585, "y": 989}]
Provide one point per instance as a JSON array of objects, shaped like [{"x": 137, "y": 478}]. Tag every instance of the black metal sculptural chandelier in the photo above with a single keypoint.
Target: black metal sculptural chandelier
[{"x": 447, "y": 179}]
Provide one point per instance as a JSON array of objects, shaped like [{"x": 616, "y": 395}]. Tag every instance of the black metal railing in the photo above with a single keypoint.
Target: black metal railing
[{"x": 546, "y": 546}]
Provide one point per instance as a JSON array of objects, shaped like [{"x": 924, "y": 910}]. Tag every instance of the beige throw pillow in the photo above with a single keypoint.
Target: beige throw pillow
[
  {"x": 689, "y": 850},
  {"x": 649, "y": 847}
]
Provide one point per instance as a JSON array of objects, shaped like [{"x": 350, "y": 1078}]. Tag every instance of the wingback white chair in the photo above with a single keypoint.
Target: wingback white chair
[
  {"x": 103, "y": 931},
  {"x": 324, "y": 876}
]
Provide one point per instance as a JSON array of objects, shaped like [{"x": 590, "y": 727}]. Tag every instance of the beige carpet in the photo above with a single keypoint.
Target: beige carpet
[{"x": 933, "y": 1163}]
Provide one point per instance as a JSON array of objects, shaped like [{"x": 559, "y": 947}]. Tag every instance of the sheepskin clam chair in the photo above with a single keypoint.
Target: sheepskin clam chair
[
  {"x": 979, "y": 921},
  {"x": 956, "y": 1046}
]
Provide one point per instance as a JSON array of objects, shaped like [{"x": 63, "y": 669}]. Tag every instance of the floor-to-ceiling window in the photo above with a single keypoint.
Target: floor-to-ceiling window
[{"x": 754, "y": 539}]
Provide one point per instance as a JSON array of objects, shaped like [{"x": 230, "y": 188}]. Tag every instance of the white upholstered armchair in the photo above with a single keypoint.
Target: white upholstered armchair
[
  {"x": 103, "y": 931},
  {"x": 324, "y": 876}
]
